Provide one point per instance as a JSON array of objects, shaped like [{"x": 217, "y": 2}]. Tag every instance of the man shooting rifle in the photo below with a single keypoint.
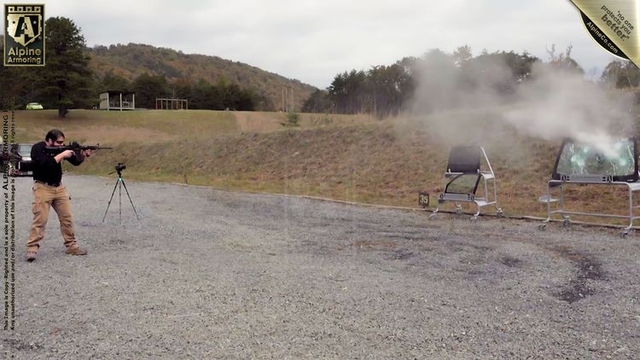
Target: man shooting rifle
[{"x": 49, "y": 191}]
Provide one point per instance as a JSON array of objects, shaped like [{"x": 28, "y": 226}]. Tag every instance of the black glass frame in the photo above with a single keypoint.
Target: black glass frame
[{"x": 621, "y": 164}]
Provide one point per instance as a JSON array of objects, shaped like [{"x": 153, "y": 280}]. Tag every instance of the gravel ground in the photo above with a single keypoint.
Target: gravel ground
[{"x": 221, "y": 275}]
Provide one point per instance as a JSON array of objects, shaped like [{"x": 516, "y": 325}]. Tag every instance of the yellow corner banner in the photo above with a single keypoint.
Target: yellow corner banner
[{"x": 613, "y": 24}]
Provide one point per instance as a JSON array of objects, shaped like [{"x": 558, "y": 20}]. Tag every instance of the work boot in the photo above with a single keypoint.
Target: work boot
[
  {"x": 75, "y": 250},
  {"x": 32, "y": 252},
  {"x": 31, "y": 256}
]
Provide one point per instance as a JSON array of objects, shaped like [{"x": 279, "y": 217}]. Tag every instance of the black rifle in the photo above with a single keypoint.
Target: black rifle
[{"x": 75, "y": 147}]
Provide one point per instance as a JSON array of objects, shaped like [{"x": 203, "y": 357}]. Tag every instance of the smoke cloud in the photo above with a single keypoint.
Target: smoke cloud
[
  {"x": 489, "y": 107},
  {"x": 559, "y": 104}
]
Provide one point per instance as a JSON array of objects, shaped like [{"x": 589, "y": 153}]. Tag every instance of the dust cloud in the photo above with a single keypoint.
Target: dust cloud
[
  {"x": 500, "y": 113},
  {"x": 561, "y": 104}
]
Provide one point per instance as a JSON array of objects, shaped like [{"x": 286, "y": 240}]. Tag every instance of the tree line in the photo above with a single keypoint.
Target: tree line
[
  {"x": 445, "y": 78},
  {"x": 67, "y": 81},
  {"x": 201, "y": 94}
]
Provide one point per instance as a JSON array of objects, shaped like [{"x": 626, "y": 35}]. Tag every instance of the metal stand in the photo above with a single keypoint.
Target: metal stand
[
  {"x": 465, "y": 162},
  {"x": 632, "y": 187},
  {"x": 119, "y": 184}
]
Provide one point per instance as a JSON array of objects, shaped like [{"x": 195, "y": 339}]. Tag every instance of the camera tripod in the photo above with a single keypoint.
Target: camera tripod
[{"x": 119, "y": 184}]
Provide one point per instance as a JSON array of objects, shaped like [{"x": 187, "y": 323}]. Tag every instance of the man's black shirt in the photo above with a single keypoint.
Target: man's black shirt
[{"x": 45, "y": 167}]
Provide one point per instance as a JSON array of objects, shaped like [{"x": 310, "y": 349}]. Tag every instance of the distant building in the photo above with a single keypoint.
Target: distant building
[
  {"x": 172, "y": 104},
  {"x": 117, "y": 100}
]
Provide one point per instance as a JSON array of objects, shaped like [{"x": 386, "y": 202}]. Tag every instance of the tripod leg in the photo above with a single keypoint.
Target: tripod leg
[
  {"x": 113, "y": 192},
  {"x": 120, "y": 200},
  {"x": 134, "y": 208}
]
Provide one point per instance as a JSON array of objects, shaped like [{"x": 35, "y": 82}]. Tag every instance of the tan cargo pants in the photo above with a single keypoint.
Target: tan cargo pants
[{"x": 45, "y": 197}]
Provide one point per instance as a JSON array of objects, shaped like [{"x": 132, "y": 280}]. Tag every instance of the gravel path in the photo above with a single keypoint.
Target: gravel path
[{"x": 209, "y": 274}]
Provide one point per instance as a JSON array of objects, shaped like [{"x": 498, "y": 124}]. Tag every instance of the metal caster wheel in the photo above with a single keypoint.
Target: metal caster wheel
[
  {"x": 624, "y": 233},
  {"x": 542, "y": 227},
  {"x": 474, "y": 219},
  {"x": 432, "y": 216},
  {"x": 500, "y": 213},
  {"x": 566, "y": 223},
  {"x": 458, "y": 209}
]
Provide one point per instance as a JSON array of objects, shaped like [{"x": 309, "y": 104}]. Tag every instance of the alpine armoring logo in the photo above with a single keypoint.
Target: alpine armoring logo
[{"x": 24, "y": 35}]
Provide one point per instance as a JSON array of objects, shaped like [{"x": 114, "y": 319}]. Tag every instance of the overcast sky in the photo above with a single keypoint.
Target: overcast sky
[{"x": 314, "y": 40}]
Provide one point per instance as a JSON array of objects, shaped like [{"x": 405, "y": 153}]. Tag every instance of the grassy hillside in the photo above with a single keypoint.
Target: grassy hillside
[
  {"x": 133, "y": 60},
  {"x": 351, "y": 158}
]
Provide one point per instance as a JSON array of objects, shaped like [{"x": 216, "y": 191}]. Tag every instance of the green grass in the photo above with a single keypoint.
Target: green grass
[{"x": 349, "y": 158}]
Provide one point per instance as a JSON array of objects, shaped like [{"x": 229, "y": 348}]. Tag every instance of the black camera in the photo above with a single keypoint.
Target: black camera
[{"x": 120, "y": 167}]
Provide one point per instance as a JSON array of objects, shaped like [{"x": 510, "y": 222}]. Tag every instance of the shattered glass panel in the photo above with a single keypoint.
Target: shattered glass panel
[{"x": 615, "y": 159}]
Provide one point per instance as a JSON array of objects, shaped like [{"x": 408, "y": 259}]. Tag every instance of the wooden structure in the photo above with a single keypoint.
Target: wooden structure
[
  {"x": 172, "y": 104},
  {"x": 287, "y": 98},
  {"x": 117, "y": 100}
]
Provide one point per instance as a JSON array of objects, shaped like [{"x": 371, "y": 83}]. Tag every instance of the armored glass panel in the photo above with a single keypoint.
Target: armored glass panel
[{"x": 613, "y": 159}]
